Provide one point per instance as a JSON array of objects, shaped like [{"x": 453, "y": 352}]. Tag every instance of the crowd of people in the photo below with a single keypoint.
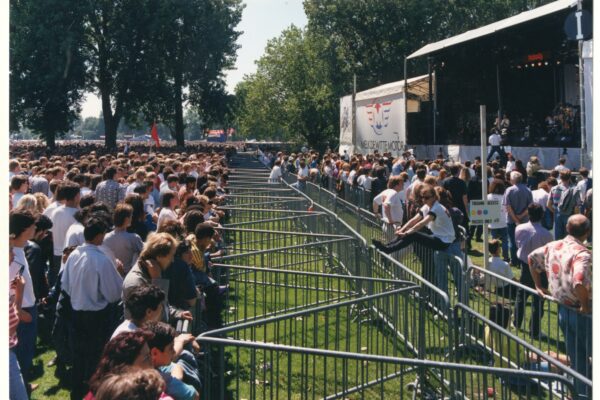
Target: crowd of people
[
  {"x": 108, "y": 252},
  {"x": 427, "y": 202}
]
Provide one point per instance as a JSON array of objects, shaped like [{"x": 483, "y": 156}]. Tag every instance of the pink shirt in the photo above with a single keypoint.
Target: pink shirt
[{"x": 568, "y": 264}]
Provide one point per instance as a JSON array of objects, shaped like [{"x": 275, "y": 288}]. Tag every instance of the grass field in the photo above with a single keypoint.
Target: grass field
[{"x": 254, "y": 373}]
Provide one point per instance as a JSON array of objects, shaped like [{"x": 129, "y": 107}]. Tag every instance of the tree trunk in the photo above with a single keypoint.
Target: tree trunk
[
  {"x": 110, "y": 123},
  {"x": 179, "y": 126},
  {"x": 50, "y": 138}
]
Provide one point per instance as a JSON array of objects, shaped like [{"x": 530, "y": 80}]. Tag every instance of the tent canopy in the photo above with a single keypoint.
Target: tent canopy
[
  {"x": 418, "y": 86},
  {"x": 495, "y": 27}
]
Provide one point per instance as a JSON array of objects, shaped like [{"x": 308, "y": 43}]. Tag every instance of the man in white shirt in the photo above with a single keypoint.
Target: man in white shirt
[
  {"x": 561, "y": 165},
  {"x": 302, "y": 175},
  {"x": 275, "y": 172},
  {"x": 62, "y": 218},
  {"x": 393, "y": 205},
  {"x": 140, "y": 175},
  {"x": 93, "y": 284},
  {"x": 495, "y": 141}
]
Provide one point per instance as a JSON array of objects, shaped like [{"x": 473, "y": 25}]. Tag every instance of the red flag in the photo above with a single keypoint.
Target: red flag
[{"x": 154, "y": 133}]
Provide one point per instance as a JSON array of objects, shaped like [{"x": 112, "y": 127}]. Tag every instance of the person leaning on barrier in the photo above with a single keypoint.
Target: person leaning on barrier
[
  {"x": 435, "y": 216},
  {"x": 529, "y": 237},
  {"x": 568, "y": 265}
]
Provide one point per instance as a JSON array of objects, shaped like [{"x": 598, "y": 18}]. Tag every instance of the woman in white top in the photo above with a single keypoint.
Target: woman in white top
[
  {"x": 499, "y": 229},
  {"x": 433, "y": 215},
  {"x": 170, "y": 201}
]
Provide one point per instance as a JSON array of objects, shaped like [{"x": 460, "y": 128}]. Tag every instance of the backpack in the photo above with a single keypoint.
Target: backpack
[{"x": 568, "y": 201}]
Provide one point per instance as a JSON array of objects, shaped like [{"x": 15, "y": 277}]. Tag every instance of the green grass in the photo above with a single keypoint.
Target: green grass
[{"x": 293, "y": 375}]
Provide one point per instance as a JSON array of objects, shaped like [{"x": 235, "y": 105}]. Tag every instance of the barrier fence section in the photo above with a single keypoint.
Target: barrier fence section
[{"x": 312, "y": 311}]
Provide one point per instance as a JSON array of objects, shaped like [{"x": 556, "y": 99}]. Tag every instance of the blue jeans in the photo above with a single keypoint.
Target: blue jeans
[
  {"x": 17, "y": 389},
  {"x": 502, "y": 234},
  {"x": 443, "y": 261},
  {"x": 514, "y": 260},
  {"x": 25, "y": 350},
  {"x": 577, "y": 329},
  {"x": 560, "y": 225}
]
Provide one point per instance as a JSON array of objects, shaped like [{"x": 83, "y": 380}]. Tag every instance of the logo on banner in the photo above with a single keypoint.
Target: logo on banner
[
  {"x": 345, "y": 122},
  {"x": 379, "y": 115}
]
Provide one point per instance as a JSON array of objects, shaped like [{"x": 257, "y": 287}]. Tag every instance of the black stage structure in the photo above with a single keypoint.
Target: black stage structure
[{"x": 523, "y": 67}]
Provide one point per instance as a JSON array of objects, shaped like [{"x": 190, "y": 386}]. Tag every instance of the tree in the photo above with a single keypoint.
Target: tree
[
  {"x": 118, "y": 46},
  {"x": 47, "y": 71},
  {"x": 291, "y": 95},
  {"x": 192, "y": 46}
]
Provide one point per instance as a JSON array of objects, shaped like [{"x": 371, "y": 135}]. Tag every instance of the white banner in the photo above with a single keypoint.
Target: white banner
[
  {"x": 346, "y": 120},
  {"x": 380, "y": 124},
  {"x": 588, "y": 63}
]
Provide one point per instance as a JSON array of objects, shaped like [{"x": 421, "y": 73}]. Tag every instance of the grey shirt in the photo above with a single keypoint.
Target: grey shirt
[
  {"x": 139, "y": 276},
  {"x": 518, "y": 197},
  {"x": 125, "y": 246}
]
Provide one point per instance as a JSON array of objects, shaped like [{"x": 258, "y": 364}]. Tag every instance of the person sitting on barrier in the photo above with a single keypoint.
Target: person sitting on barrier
[
  {"x": 568, "y": 265},
  {"x": 433, "y": 215},
  {"x": 530, "y": 236}
]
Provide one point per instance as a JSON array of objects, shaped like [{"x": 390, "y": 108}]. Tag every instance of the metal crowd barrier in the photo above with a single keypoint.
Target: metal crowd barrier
[
  {"x": 331, "y": 352},
  {"x": 313, "y": 311}
]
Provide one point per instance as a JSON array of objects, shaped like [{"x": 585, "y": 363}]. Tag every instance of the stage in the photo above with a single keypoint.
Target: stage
[{"x": 548, "y": 156}]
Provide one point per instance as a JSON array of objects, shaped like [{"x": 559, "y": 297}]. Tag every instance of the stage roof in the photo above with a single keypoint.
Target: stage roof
[
  {"x": 418, "y": 86},
  {"x": 495, "y": 27}
]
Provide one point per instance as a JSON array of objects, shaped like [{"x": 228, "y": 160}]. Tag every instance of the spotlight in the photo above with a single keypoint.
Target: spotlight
[
  {"x": 526, "y": 65},
  {"x": 558, "y": 62},
  {"x": 518, "y": 67},
  {"x": 546, "y": 63},
  {"x": 540, "y": 64}
]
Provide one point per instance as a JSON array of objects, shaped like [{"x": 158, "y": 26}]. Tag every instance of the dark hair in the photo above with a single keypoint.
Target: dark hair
[
  {"x": 164, "y": 334},
  {"x": 192, "y": 219},
  {"x": 166, "y": 199},
  {"x": 173, "y": 227},
  {"x": 493, "y": 246},
  {"x": 17, "y": 181},
  {"x": 19, "y": 221},
  {"x": 93, "y": 227},
  {"x": 536, "y": 212},
  {"x": 110, "y": 172},
  {"x": 455, "y": 169},
  {"x": 497, "y": 186},
  {"x": 87, "y": 200},
  {"x": 43, "y": 223},
  {"x": 131, "y": 384},
  {"x": 204, "y": 230},
  {"x": 135, "y": 201},
  {"x": 183, "y": 247},
  {"x": 565, "y": 175},
  {"x": 121, "y": 213},
  {"x": 141, "y": 298},
  {"x": 583, "y": 171},
  {"x": 122, "y": 350},
  {"x": 69, "y": 191},
  {"x": 140, "y": 189}
]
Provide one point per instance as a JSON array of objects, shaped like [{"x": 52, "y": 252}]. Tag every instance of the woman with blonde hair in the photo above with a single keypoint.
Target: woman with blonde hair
[
  {"x": 42, "y": 202},
  {"x": 27, "y": 202},
  {"x": 156, "y": 256}
]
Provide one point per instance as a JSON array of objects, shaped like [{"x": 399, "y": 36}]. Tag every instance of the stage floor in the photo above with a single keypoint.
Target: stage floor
[{"x": 548, "y": 156}]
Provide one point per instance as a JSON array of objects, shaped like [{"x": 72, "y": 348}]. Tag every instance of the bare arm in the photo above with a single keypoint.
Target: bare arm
[{"x": 414, "y": 224}]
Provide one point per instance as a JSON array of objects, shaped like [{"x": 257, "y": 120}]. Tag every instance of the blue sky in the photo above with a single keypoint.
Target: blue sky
[{"x": 261, "y": 21}]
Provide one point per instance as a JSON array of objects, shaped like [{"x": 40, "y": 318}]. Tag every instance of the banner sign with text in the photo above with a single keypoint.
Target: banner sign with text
[{"x": 380, "y": 124}]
